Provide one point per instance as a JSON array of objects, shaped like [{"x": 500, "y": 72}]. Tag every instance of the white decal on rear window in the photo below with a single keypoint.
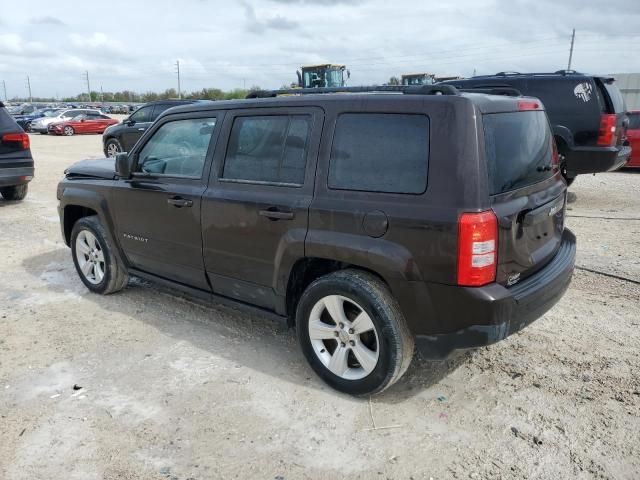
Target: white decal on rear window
[{"x": 583, "y": 91}]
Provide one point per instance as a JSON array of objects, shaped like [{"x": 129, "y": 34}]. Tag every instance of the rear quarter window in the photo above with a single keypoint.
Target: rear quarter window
[
  {"x": 634, "y": 121},
  {"x": 380, "y": 152},
  {"x": 518, "y": 149}
]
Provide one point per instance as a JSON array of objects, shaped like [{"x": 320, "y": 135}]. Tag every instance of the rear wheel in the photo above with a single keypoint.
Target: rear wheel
[
  {"x": 112, "y": 147},
  {"x": 94, "y": 258},
  {"x": 68, "y": 131},
  {"x": 352, "y": 332},
  {"x": 17, "y": 192},
  {"x": 27, "y": 127}
]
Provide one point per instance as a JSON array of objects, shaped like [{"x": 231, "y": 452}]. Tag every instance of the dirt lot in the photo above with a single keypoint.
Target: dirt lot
[{"x": 172, "y": 389}]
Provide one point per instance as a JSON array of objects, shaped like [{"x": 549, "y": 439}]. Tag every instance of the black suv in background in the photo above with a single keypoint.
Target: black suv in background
[
  {"x": 373, "y": 222},
  {"x": 16, "y": 162},
  {"x": 121, "y": 137},
  {"x": 587, "y": 115}
]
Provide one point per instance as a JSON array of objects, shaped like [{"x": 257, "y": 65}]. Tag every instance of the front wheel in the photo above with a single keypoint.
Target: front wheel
[
  {"x": 69, "y": 131},
  {"x": 352, "y": 332},
  {"x": 94, "y": 259},
  {"x": 17, "y": 192},
  {"x": 112, "y": 147},
  {"x": 27, "y": 127}
]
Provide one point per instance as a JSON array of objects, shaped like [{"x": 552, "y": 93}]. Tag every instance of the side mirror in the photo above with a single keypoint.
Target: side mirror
[
  {"x": 129, "y": 122},
  {"x": 123, "y": 165}
]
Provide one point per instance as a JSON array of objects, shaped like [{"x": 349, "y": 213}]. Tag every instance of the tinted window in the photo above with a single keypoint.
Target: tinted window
[
  {"x": 178, "y": 148},
  {"x": 158, "y": 109},
  {"x": 517, "y": 144},
  {"x": 380, "y": 153},
  {"x": 615, "y": 96},
  {"x": 269, "y": 149},
  {"x": 142, "y": 115},
  {"x": 634, "y": 121}
]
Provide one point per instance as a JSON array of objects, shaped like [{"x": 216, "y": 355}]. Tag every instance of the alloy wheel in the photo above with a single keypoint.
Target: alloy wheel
[
  {"x": 112, "y": 149},
  {"x": 343, "y": 337},
  {"x": 68, "y": 131},
  {"x": 90, "y": 257}
]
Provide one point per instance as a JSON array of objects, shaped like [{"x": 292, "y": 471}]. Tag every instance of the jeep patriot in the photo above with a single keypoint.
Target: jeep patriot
[{"x": 375, "y": 221}]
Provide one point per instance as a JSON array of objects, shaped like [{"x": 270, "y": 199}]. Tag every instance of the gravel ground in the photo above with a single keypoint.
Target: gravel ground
[{"x": 174, "y": 389}]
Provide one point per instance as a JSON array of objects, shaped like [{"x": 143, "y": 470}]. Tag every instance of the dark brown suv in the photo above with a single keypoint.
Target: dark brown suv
[{"x": 373, "y": 221}]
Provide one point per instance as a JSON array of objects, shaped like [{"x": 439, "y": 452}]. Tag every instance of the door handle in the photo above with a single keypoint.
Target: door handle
[
  {"x": 141, "y": 129},
  {"x": 273, "y": 214},
  {"x": 179, "y": 202}
]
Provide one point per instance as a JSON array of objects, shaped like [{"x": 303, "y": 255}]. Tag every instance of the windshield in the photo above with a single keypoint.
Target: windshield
[{"x": 518, "y": 147}]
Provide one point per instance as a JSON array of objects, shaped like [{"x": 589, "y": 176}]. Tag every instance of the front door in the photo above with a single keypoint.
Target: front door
[
  {"x": 135, "y": 126},
  {"x": 255, "y": 212},
  {"x": 158, "y": 209}
]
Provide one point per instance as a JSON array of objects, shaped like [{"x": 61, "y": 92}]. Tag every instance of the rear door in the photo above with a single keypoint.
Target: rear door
[
  {"x": 527, "y": 191},
  {"x": 255, "y": 212},
  {"x": 633, "y": 134}
]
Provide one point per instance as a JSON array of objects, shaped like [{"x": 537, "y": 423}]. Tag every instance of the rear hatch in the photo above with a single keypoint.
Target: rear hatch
[{"x": 527, "y": 190}]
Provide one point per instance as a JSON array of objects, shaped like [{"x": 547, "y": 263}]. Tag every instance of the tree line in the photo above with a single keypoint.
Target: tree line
[{"x": 129, "y": 96}]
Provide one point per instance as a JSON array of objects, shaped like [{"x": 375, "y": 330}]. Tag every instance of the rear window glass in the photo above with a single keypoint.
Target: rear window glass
[
  {"x": 378, "y": 152},
  {"x": 634, "y": 121},
  {"x": 615, "y": 96},
  {"x": 518, "y": 146}
]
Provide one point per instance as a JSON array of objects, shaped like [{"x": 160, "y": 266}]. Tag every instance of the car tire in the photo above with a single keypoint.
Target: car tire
[
  {"x": 355, "y": 362},
  {"x": 27, "y": 127},
  {"x": 97, "y": 264},
  {"x": 17, "y": 192},
  {"x": 112, "y": 147},
  {"x": 68, "y": 131}
]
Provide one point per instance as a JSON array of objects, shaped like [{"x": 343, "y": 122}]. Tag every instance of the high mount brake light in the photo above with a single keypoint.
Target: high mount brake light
[
  {"x": 21, "y": 139},
  {"x": 526, "y": 105},
  {"x": 607, "y": 134},
  {"x": 477, "y": 248}
]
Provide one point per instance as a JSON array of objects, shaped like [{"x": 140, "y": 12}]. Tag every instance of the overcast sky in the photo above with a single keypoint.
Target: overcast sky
[{"x": 134, "y": 44}]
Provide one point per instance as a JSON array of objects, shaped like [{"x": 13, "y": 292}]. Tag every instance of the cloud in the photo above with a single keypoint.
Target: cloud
[
  {"x": 278, "y": 22},
  {"x": 47, "y": 20},
  {"x": 99, "y": 44},
  {"x": 13, "y": 45},
  {"x": 319, "y": 2}
]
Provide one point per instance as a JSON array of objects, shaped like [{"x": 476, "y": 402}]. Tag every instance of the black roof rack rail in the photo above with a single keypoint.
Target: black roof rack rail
[
  {"x": 525, "y": 74},
  {"x": 405, "y": 89},
  {"x": 493, "y": 90}
]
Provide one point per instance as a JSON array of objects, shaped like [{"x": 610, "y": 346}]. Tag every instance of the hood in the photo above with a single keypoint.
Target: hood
[{"x": 101, "y": 168}]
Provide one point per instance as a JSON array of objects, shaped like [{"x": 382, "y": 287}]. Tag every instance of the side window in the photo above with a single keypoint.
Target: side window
[
  {"x": 142, "y": 115},
  {"x": 157, "y": 110},
  {"x": 634, "y": 121},
  {"x": 376, "y": 152},
  {"x": 271, "y": 149},
  {"x": 177, "y": 148}
]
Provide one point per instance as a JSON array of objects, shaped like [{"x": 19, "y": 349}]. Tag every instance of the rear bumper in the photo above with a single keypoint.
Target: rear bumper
[
  {"x": 10, "y": 177},
  {"x": 497, "y": 311},
  {"x": 581, "y": 160}
]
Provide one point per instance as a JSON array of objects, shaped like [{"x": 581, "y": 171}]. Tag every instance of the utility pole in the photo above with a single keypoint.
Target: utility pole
[
  {"x": 29, "y": 88},
  {"x": 178, "y": 72},
  {"x": 101, "y": 95},
  {"x": 86, "y": 76},
  {"x": 573, "y": 38},
  {"x": 4, "y": 86}
]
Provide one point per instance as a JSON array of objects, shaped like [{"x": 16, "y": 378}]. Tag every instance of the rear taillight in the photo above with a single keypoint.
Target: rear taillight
[
  {"x": 19, "y": 140},
  {"x": 607, "y": 134},
  {"x": 477, "y": 248}
]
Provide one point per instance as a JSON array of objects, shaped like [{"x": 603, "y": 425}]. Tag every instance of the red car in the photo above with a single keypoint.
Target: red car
[
  {"x": 633, "y": 135},
  {"x": 86, "y": 123}
]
